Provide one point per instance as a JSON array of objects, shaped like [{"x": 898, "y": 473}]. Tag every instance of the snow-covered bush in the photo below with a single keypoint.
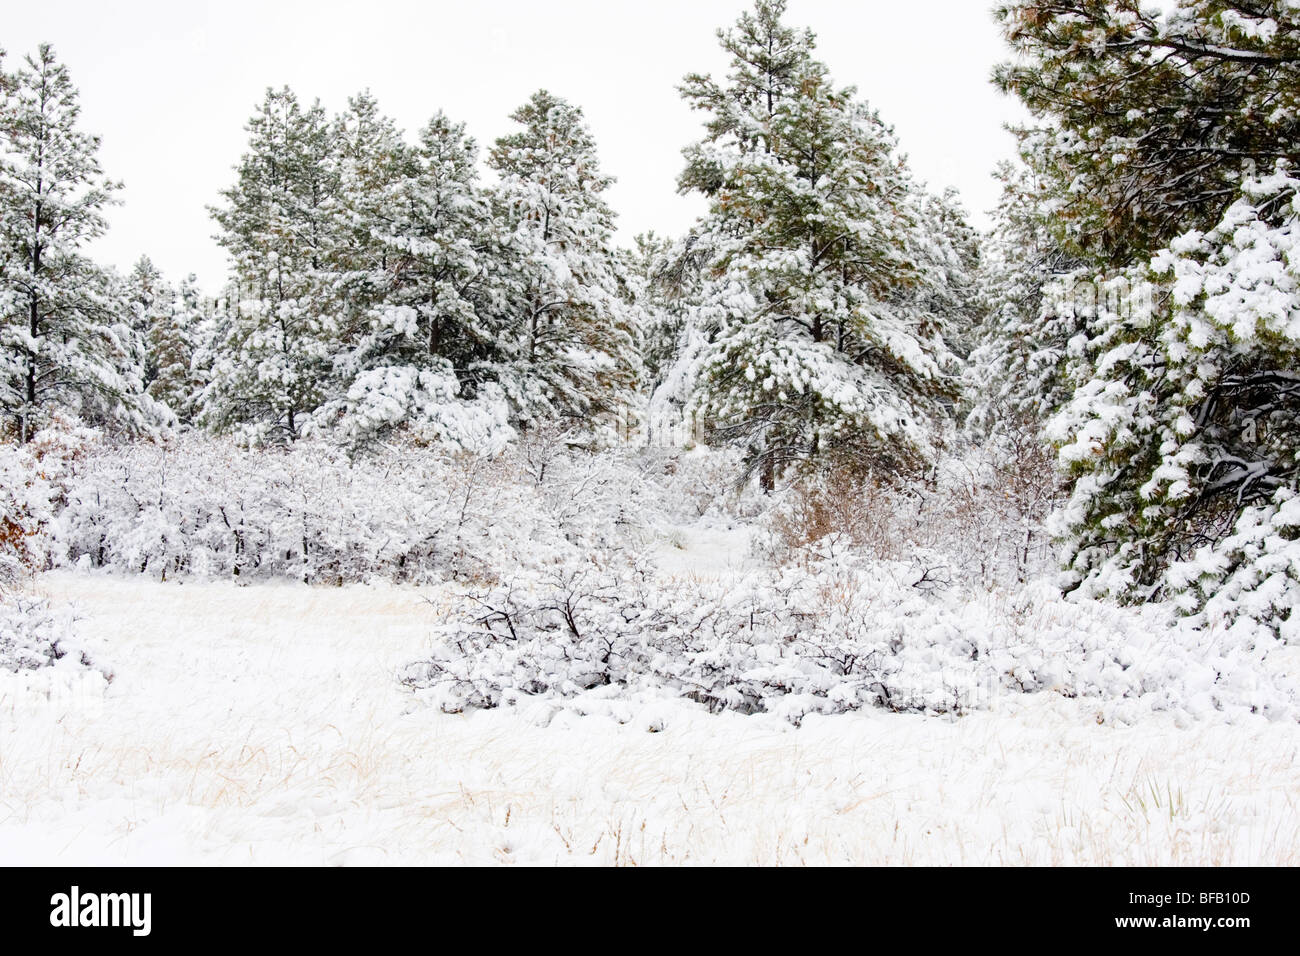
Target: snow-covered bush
[
  {"x": 32, "y": 635},
  {"x": 32, "y": 490},
  {"x": 701, "y": 482},
  {"x": 192, "y": 505},
  {"x": 195, "y": 506},
  {"x": 830, "y": 636},
  {"x": 788, "y": 641}
]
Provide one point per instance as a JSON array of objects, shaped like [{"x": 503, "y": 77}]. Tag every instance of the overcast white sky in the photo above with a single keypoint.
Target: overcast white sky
[{"x": 169, "y": 86}]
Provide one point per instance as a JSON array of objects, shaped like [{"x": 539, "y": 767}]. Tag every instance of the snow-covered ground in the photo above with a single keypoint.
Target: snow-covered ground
[{"x": 264, "y": 725}]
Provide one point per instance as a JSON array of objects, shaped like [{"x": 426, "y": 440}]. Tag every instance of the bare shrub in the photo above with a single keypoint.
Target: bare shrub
[
  {"x": 840, "y": 511},
  {"x": 25, "y": 513},
  {"x": 981, "y": 509}
]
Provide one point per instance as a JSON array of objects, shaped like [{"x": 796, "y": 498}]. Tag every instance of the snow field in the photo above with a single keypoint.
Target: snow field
[{"x": 265, "y": 724}]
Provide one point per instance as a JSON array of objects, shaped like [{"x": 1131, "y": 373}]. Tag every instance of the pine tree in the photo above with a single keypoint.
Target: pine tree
[
  {"x": 65, "y": 342},
  {"x": 768, "y": 61},
  {"x": 1183, "y": 433},
  {"x": 172, "y": 337},
  {"x": 150, "y": 299},
  {"x": 1017, "y": 374},
  {"x": 1167, "y": 141},
  {"x": 372, "y": 164},
  {"x": 662, "y": 307},
  {"x": 429, "y": 347},
  {"x": 819, "y": 324},
  {"x": 273, "y": 369},
  {"x": 210, "y": 335},
  {"x": 573, "y": 353},
  {"x": 1147, "y": 116},
  {"x": 948, "y": 260}
]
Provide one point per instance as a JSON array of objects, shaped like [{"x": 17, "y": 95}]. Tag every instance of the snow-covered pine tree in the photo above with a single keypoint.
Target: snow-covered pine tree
[
  {"x": 816, "y": 333},
  {"x": 172, "y": 338},
  {"x": 274, "y": 366},
  {"x": 66, "y": 340},
  {"x": 573, "y": 351},
  {"x": 426, "y": 355},
  {"x": 149, "y": 298},
  {"x": 948, "y": 257},
  {"x": 210, "y": 334},
  {"x": 662, "y": 308},
  {"x": 1181, "y": 432},
  {"x": 372, "y": 163},
  {"x": 1016, "y": 374},
  {"x": 1146, "y": 114}
]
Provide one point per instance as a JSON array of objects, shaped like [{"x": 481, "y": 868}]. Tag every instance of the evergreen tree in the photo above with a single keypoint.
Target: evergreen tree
[
  {"x": 948, "y": 259},
  {"x": 816, "y": 326},
  {"x": 149, "y": 300},
  {"x": 172, "y": 337},
  {"x": 573, "y": 352},
  {"x": 273, "y": 369},
  {"x": 1017, "y": 373},
  {"x": 768, "y": 60},
  {"x": 1183, "y": 433},
  {"x": 372, "y": 164},
  {"x": 1180, "y": 432},
  {"x": 64, "y": 339},
  {"x": 662, "y": 307},
  {"x": 1146, "y": 115},
  {"x": 429, "y": 346},
  {"x": 210, "y": 335}
]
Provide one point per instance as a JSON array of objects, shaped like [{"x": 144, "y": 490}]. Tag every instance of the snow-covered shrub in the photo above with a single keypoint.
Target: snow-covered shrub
[
  {"x": 591, "y": 498},
  {"x": 837, "y": 512},
  {"x": 702, "y": 481},
  {"x": 197, "y": 506},
  {"x": 788, "y": 641},
  {"x": 829, "y": 636},
  {"x": 31, "y": 491},
  {"x": 989, "y": 503},
  {"x": 34, "y": 636},
  {"x": 192, "y": 505}
]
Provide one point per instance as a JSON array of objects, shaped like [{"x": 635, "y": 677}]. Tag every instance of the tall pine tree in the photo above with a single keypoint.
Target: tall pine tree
[
  {"x": 573, "y": 351},
  {"x": 425, "y": 355},
  {"x": 1173, "y": 131},
  {"x": 1017, "y": 375},
  {"x": 1146, "y": 116},
  {"x": 65, "y": 342},
  {"x": 173, "y": 338},
  {"x": 273, "y": 368},
  {"x": 816, "y": 321}
]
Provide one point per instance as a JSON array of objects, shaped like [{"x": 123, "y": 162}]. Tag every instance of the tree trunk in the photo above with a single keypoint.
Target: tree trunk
[{"x": 34, "y": 323}]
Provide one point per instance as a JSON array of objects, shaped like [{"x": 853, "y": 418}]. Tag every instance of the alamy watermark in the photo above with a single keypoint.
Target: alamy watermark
[{"x": 77, "y": 909}]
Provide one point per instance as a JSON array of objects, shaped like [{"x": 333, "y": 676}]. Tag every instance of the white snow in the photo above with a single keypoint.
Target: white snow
[
  {"x": 702, "y": 548},
  {"x": 265, "y": 725}
]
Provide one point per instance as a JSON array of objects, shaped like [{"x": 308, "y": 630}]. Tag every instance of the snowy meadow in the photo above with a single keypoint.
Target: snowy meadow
[
  {"x": 448, "y": 529},
  {"x": 614, "y": 658}
]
